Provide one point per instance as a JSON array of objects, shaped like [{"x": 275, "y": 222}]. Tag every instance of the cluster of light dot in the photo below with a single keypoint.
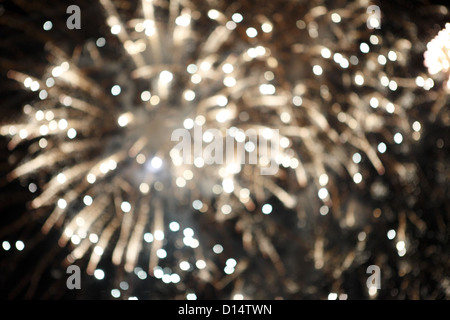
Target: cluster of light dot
[{"x": 48, "y": 123}]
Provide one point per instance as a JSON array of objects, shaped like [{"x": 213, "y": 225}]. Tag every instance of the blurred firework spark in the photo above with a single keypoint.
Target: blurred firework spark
[
  {"x": 437, "y": 57},
  {"x": 101, "y": 164}
]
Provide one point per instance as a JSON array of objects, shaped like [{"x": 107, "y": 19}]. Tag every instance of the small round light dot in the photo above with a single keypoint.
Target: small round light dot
[
  {"x": 115, "y": 90},
  {"x": 420, "y": 81},
  {"x": 267, "y": 89},
  {"x": 335, "y": 17},
  {"x": 322, "y": 193},
  {"x": 357, "y": 178},
  {"x": 227, "y": 68},
  {"x": 75, "y": 239},
  {"x": 356, "y": 157},
  {"x": 115, "y": 293},
  {"x": 392, "y": 55},
  {"x": 183, "y": 21},
  {"x": 71, "y": 133},
  {"x": 100, "y": 42},
  {"x": 32, "y": 187},
  {"x": 398, "y": 138},
  {"x": 229, "y": 82},
  {"x": 87, "y": 200},
  {"x": 148, "y": 237},
  {"x": 391, "y": 234},
  {"x": 145, "y": 95},
  {"x": 382, "y": 60},
  {"x": 192, "y": 68},
  {"x": 230, "y": 25},
  {"x": 174, "y": 226},
  {"x": 332, "y": 296},
  {"x": 326, "y": 53},
  {"x": 166, "y": 76},
  {"x": 20, "y": 245},
  {"x": 98, "y": 250},
  {"x": 266, "y": 27},
  {"x": 188, "y": 123},
  {"x": 297, "y": 101},
  {"x": 6, "y": 245},
  {"x": 191, "y": 296},
  {"x": 91, "y": 178},
  {"x": 124, "y": 285},
  {"x": 93, "y": 238},
  {"x": 34, "y": 86},
  {"x": 184, "y": 265},
  {"x": 43, "y": 94},
  {"x": 159, "y": 235},
  {"x": 226, "y": 209},
  {"x": 48, "y": 25},
  {"x": 175, "y": 278},
  {"x": 400, "y": 245},
  {"x": 372, "y": 291},
  {"x": 222, "y": 101},
  {"x": 213, "y": 14},
  {"x": 125, "y": 206},
  {"x": 324, "y": 210},
  {"x": 99, "y": 274},
  {"x": 323, "y": 179},
  {"x": 188, "y": 232},
  {"x": 364, "y": 47},
  {"x": 317, "y": 70},
  {"x": 161, "y": 253},
  {"x": 189, "y": 95},
  {"x": 115, "y": 29},
  {"x": 217, "y": 249},
  {"x": 180, "y": 182},
  {"x": 374, "y": 102},
  {"x": 237, "y": 17},
  {"x": 228, "y": 185},
  {"x": 156, "y": 162},
  {"x": 362, "y": 236},
  {"x": 359, "y": 79},
  {"x": 382, "y": 147},
  {"x": 61, "y": 178},
  {"x": 251, "y": 32},
  {"x": 390, "y": 107},
  {"x": 143, "y": 275},
  {"x": 393, "y": 85},
  {"x": 300, "y": 24},
  {"x": 374, "y": 39},
  {"x": 231, "y": 263},
  {"x": 62, "y": 204},
  {"x": 201, "y": 264}
]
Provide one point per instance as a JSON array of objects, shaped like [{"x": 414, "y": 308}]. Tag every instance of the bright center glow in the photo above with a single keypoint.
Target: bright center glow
[
  {"x": 123, "y": 120},
  {"x": 237, "y": 17},
  {"x": 166, "y": 76},
  {"x": 156, "y": 162},
  {"x": 323, "y": 193},
  {"x": 115, "y": 90},
  {"x": 251, "y": 32},
  {"x": 125, "y": 206},
  {"x": 266, "y": 209},
  {"x": 317, "y": 70}
]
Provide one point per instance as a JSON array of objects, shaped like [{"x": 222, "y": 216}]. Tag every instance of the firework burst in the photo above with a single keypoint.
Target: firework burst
[{"x": 106, "y": 174}]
